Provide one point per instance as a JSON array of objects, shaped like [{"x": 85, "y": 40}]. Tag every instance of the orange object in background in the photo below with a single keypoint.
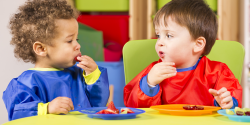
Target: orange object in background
[{"x": 177, "y": 109}]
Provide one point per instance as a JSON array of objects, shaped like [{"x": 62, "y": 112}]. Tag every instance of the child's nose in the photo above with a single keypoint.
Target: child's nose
[
  {"x": 160, "y": 43},
  {"x": 78, "y": 46}
]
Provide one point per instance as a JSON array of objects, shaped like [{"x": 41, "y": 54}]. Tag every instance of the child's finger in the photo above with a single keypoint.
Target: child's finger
[
  {"x": 168, "y": 75},
  {"x": 82, "y": 66},
  {"x": 71, "y": 105},
  {"x": 85, "y": 63},
  {"x": 167, "y": 63},
  {"x": 226, "y": 100},
  {"x": 225, "y": 94},
  {"x": 63, "y": 110},
  {"x": 167, "y": 71},
  {"x": 213, "y": 92},
  {"x": 222, "y": 90},
  {"x": 227, "y": 106},
  {"x": 65, "y": 106},
  {"x": 88, "y": 58}
]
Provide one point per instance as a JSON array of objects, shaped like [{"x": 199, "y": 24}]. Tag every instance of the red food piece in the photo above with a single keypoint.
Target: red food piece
[
  {"x": 188, "y": 107},
  {"x": 107, "y": 111},
  {"x": 200, "y": 108},
  {"x": 247, "y": 113},
  {"x": 101, "y": 112},
  {"x": 240, "y": 113},
  {"x": 127, "y": 109},
  {"x": 79, "y": 55},
  {"x": 111, "y": 106},
  {"x": 110, "y": 110}
]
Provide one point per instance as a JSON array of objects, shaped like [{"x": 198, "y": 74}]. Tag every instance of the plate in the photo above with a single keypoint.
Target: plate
[
  {"x": 91, "y": 112},
  {"x": 177, "y": 109},
  {"x": 235, "y": 117}
]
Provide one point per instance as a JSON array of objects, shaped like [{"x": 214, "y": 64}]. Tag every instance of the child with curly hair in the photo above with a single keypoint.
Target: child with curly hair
[
  {"x": 45, "y": 33},
  {"x": 186, "y": 31}
]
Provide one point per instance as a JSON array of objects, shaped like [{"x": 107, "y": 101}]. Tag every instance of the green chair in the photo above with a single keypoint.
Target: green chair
[{"x": 138, "y": 54}]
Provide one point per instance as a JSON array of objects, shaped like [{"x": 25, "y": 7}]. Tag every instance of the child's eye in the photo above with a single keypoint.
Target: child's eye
[
  {"x": 158, "y": 36},
  {"x": 77, "y": 39},
  {"x": 169, "y": 36},
  {"x": 70, "y": 41}
]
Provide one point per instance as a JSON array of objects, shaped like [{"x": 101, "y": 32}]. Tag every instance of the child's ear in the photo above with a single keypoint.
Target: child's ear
[
  {"x": 199, "y": 44},
  {"x": 39, "y": 48}
]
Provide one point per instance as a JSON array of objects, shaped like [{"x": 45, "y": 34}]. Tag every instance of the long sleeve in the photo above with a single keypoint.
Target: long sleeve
[
  {"x": 98, "y": 93},
  {"x": 20, "y": 100},
  {"x": 135, "y": 97},
  {"x": 228, "y": 80}
]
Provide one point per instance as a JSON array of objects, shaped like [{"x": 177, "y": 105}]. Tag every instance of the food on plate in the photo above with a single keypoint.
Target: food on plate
[
  {"x": 229, "y": 112},
  {"x": 126, "y": 111},
  {"x": 238, "y": 111},
  {"x": 193, "y": 107},
  {"x": 111, "y": 109}
]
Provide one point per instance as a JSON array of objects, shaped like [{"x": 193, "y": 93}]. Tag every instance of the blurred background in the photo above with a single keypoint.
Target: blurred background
[{"x": 106, "y": 25}]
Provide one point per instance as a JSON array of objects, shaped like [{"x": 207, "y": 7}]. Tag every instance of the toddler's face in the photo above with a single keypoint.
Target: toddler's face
[
  {"x": 174, "y": 44},
  {"x": 65, "y": 46}
]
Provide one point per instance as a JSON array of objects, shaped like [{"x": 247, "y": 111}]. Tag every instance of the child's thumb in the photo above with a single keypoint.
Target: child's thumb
[{"x": 213, "y": 92}]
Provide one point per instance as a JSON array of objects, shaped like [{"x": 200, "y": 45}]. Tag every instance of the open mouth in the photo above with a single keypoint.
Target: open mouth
[{"x": 161, "y": 54}]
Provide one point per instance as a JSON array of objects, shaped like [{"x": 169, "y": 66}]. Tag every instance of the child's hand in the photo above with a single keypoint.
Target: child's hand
[
  {"x": 161, "y": 71},
  {"x": 223, "y": 97},
  {"x": 87, "y": 63},
  {"x": 60, "y": 105}
]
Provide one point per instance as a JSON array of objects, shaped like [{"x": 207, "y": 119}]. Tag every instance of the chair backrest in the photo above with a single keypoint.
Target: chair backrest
[{"x": 138, "y": 54}]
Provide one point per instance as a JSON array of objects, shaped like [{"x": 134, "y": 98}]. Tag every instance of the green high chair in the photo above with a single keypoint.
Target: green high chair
[{"x": 138, "y": 54}]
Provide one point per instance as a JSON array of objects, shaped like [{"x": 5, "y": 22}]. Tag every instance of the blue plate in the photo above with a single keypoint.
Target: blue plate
[
  {"x": 234, "y": 117},
  {"x": 91, "y": 112}
]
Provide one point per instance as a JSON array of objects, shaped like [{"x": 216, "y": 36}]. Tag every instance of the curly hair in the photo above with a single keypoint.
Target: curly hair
[{"x": 35, "y": 21}]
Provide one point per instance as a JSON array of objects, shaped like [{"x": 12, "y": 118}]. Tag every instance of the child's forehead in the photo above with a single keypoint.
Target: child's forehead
[{"x": 164, "y": 21}]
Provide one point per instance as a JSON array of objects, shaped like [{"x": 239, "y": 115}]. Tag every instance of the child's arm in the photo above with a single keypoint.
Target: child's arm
[
  {"x": 97, "y": 88},
  {"x": 223, "y": 98},
  {"x": 227, "y": 91},
  {"x": 137, "y": 92},
  {"x": 20, "y": 100},
  {"x": 96, "y": 79}
]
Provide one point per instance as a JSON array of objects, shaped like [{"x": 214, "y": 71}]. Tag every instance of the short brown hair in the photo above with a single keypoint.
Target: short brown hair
[
  {"x": 196, "y": 15},
  {"x": 35, "y": 21}
]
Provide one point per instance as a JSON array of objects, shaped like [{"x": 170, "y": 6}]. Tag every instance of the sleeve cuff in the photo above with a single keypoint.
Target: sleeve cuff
[
  {"x": 235, "y": 103},
  {"x": 42, "y": 108},
  {"x": 147, "y": 89},
  {"x": 92, "y": 77}
]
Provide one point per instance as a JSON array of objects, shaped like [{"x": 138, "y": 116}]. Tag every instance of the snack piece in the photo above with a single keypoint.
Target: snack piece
[
  {"x": 194, "y": 107},
  {"x": 110, "y": 110},
  {"x": 124, "y": 112},
  {"x": 240, "y": 113},
  {"x": 229, "y": 112},
  {"x": 79, "y": 55},
  {"x": 239, "y": 110},
  {"x": 246, "y": 109},
  {"x": 127, "y": 110},
  {"x": 107, "y": 111},
  {"x": 247, "y": 113},
  {"x": 112, "y": 107}
]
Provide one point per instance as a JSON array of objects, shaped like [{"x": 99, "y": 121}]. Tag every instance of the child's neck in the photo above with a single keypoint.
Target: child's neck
[{"x": 188, "y": 64}]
